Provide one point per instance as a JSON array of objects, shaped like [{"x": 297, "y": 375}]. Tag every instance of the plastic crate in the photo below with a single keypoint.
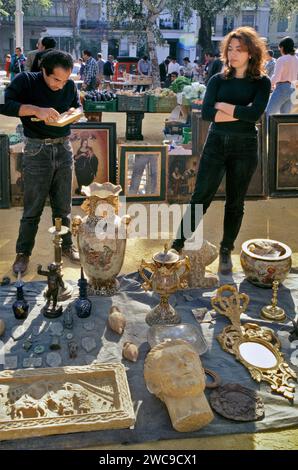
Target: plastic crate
[
  {"x": 93, "y": 106},
  {"x": 132, "y": 103},
  {"x": 164, "y": 104}
]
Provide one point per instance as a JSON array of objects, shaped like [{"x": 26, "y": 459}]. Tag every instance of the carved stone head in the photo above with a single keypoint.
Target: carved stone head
[{"x": 173, "y": 371}]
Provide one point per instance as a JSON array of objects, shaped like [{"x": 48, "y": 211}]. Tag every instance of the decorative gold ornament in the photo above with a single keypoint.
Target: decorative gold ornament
[
  {"x": 167, "y": 277},
  {"x": 273, "y": 312},
  {"x": 257, "y": 348}
]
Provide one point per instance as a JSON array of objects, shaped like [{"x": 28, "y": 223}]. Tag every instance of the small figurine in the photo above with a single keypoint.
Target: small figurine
[
  {"x": 83, "y": 305},
  {"x": 67, "y": 318},
  {"x": 116, "y": 320},
  {"x": 54, "y": 281},
  {"x": 72, "y": 349},
  {"x": 20, "y": 306}
]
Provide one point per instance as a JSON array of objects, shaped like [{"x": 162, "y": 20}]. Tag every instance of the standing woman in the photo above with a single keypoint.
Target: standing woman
[
  {"x": 234, "y": 101},
  {"x": 286, "y": 72}
]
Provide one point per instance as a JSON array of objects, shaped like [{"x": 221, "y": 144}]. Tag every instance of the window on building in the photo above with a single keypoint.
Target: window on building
[
  {"x": 248, "y": 19},
  {"x": 296, "y": 27},
  {"x": 282, "y": 25},
  {"x": 228, "y": 24}
]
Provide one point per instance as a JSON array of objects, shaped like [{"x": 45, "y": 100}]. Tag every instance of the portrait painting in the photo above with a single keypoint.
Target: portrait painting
[
  {"x": 283, "y": 155},
  {"x": 142, "y": 172},
  {"x": 94, "y": 153}
]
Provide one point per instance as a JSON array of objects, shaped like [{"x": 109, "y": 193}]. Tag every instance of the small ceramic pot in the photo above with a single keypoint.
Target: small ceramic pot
[{"x": 263, "y": 270}]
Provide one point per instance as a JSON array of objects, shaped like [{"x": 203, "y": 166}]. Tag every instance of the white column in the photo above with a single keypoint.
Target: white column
[
  {"x": 19, "y": 24},
  {"x": 104, "y": 49}
]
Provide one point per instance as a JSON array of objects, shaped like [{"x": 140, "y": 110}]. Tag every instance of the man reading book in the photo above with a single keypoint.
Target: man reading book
[{"x": 48, "y": 156}]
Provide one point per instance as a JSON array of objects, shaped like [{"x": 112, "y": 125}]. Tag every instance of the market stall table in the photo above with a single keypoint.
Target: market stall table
[{"x": 152, "y": 420}]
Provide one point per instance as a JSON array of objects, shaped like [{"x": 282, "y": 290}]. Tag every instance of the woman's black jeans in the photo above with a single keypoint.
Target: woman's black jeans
[{"x": 235, "y": 155}]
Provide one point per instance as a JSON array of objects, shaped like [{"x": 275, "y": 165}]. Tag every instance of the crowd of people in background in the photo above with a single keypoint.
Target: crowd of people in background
[{"x": 92, "y": 72}]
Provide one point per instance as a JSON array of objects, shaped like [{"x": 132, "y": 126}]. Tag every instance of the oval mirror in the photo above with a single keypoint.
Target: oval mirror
[{"x": 257, "y": 355}]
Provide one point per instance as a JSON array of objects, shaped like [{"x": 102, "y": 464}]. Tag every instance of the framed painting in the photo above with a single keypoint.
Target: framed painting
[
  {"x": 94, "y": 150},
  {"x": 181, "y": 178},
  {"x": 283, "y": 155},
  {"x": 142, "y": 172}
]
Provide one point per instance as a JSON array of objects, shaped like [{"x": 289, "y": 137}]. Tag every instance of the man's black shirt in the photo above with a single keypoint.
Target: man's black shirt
[{"x": 30, "y": 88}]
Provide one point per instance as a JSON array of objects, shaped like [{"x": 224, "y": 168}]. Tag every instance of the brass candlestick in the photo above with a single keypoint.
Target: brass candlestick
[
  {"x": 273, "y": 312},
  {"x": 58, "y": 230}
]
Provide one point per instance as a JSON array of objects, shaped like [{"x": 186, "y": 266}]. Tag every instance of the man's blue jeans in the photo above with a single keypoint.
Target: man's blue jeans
[
  {"x": 237, "y": 157},
  {"x": 47, "y": 171}
]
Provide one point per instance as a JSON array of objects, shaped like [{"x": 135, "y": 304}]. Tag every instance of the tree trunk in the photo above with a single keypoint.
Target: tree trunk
[
  {"x": 205, "y": 34},
  {"x": 153, "y": 56}
]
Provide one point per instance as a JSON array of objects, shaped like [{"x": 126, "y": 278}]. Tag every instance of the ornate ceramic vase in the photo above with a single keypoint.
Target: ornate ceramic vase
[
  {"x": 168, "y": 275},
  {"x": 101, "y": 237},
  {"x": 264, "y": 261}
]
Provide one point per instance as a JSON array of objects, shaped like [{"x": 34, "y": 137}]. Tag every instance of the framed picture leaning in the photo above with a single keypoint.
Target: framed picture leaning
[{"x": 94, "y": 150}]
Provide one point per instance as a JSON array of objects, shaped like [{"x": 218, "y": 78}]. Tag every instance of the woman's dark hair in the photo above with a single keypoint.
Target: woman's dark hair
[
  {"x": 48, "y": 42},
  {"x": 252, "y": 43},
  {"x": 287, "y": 44},
  {"x": 53, "y": 59}
]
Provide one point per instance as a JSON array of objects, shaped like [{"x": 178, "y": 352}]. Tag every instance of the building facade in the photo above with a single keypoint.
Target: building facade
[{"x": 92, "y": 30}]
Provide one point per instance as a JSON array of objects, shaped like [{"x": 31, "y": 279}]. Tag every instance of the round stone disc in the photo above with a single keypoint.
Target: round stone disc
[{"x": 53, "y": 359}]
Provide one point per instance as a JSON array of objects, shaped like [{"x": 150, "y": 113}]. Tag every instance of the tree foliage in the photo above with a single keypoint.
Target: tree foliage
[{"x": 7, "y": 7}]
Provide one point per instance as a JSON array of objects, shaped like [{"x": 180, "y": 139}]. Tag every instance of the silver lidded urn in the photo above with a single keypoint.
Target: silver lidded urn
[{"x": 101, "y": 237}]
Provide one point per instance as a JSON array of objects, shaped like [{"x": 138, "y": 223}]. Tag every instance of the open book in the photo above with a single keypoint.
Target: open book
[{"x": 65, "y": 118}]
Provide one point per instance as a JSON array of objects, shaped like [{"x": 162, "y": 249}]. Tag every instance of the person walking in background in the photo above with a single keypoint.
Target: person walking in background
[
  {"x": 270, "y": 64},
  {"x": 209, "y": 58},
  {"x": 90, "y": 72},
  {"x": 163, "y": 71},
  {"x": 100, "y": 66},
  {"x": 234, "y": 102},
  {"x": 82, "y": 69},
  {"x": 173, "y": 66},
  {"x": 7, "y": 65},
  {"x": 108, "y": 68},
  {"x": 285, "y": 73},
  {"x": 187, "y": 68},
  {"x": 17, "y": 64},
  {"x": 31, "y": 55},
  {"x": 215, "y": 67},
  {"x": 47, "y": 44},
  {"x": 144, "y": 70}
]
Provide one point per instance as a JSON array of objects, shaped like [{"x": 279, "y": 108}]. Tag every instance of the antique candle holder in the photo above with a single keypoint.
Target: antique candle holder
[
  {"x": 57, "y": 231},
  {"x": 273, "y": 312},
  {"x": 168, "y": 275}
]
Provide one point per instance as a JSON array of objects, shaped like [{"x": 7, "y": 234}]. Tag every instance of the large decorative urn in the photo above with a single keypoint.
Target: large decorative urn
[
  {"x": 264, "y": 261},
  {"x": 169, "y": 274},
  {"x": 101, "y": 237}
]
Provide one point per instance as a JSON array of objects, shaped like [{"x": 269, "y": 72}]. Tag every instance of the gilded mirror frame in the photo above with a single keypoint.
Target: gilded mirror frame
[{"x": 234, "y": 335}]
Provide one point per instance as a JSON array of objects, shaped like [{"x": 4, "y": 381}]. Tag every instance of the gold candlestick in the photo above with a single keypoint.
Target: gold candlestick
[
  {"x": 273, "y": 312},
  {"x": 58, "y": 230}
]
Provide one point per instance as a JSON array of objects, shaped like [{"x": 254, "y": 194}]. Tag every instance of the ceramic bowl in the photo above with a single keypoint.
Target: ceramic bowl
[{"x": 262, "y": 270}]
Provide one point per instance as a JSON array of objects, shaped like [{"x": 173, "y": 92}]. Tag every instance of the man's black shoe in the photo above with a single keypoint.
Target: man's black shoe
[
  {"x": 225, "y": 261},
  {"x": 71, "y": 253},
  {"x": 20, "y": 264}
]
